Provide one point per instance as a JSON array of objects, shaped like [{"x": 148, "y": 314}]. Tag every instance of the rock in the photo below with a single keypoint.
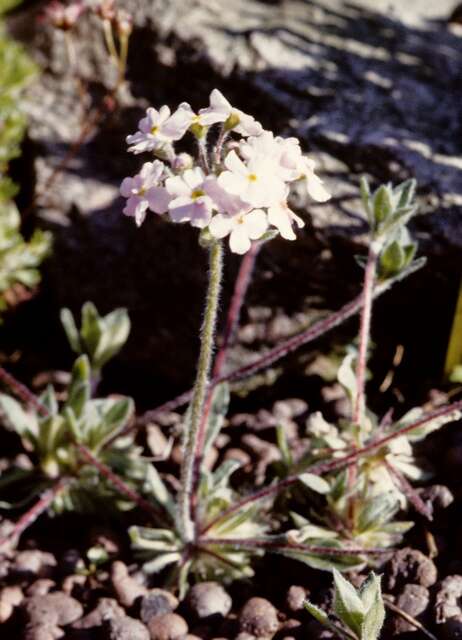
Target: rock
[
  {"x": 238, "y": 454},
  {"x": 155, "y": 603},
  {"x": 448, "y": 601},
  {"x": 208, "y": 599},
  {"x": 125, "y": 587},
  {"x": 10, "y": 597},
  {"x": 42, "y": 632},
  {"x": 414, "y": 600},
  {"x": 56, "y": 608},
  {"x": 34, "y": 563},
  {"x": 259, "y": 618},
  {"x": 41, "y": 587},
  {"x": 295, "y": 598},
  {"x": 125, "y": 628},
  {"x": 410, "y": 566},
  {"x": 169, "y": 626},
  {"x": 106, "y": 609},
  {"x": 437, "y": 497},
  {"x": 74, "y": 585}
]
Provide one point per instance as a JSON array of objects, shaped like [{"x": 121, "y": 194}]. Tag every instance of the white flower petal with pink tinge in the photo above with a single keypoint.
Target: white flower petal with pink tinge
[
  {"x": 220, "y": 110},
  {"x": 241, "y": 228},
  {"x": 281, "y": 217}
]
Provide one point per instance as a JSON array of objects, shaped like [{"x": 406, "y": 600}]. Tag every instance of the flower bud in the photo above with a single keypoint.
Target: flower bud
[
  {"x": 123, "y": 23},
  {"x": 181, "y": 162}
]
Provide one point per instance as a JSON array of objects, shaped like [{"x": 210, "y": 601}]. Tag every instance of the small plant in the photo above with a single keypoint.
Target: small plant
[
  {"x": 55, "y": 434},
  {"x": 361, "y": 612},
  {"x": 99, "y": 337}
]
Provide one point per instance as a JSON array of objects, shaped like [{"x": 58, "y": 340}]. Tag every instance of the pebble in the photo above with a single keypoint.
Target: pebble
[
  {"x": 106, "y": 609},
  {"x": 10, "y": 597},
  {"x": 126, "y": 628},
  {"x": 238, "y": 454},
  {"x": 126, "y": 588},
  {"x": 56, "y": 608},
  {"x": 413, "y": 600},
  {"x": 42, "y": 632},
  {"x": 41, "y": 587},
  {"x": 448, "y": 602},
  {"x": 259, "y": 618},
  {"x": 74, "y": 584},
  {"x": 169, "y": 626},
  {"x": 295, "y": 598},
  {"x": 156, "y": 603},
  {"x": 38, "y": 563},
  {"x": 207, "y": 599},
  {"x": 410, "y": 566}
]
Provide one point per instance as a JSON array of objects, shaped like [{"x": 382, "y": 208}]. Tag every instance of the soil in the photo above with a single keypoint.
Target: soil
[{"x": 301, "y": 67}]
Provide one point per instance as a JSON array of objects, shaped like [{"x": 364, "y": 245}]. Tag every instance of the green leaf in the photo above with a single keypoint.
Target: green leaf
[
  {"x": 115, "y": 331},
  {"x": 383, "y": 205},
  {"x": 25, "y": 424},
  {"x": 348, "y": 606},
  {"x": 316, "y": 612},
  {"x": 92, "y": 329},
  {"x": 346, "y": 375},
  {"x": 156, "y": 487},
  {"x": 283, "y": 446},
  {"x": 70, "y": 328},
  {"x": 315, "y": 483},
  {"x": 217, "y": 415},
  {"x": 371, "y": 595},
  {"x": 407, "y": 193},
  {"x": 377, "y": 511},
  {"x": 392, "y": 259}
]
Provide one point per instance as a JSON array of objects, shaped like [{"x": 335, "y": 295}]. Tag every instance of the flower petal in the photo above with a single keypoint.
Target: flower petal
[
  {"x": 220, "y": 226},
  {"x": 239, "y": 240},
  {"x": 255, "y": 223}
]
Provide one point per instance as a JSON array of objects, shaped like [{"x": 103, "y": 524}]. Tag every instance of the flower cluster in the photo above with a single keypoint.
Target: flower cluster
[{"x": 237, "y": 188}]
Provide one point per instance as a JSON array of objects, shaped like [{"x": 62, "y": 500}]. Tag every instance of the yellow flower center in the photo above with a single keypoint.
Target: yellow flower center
[
  {"x": 252, "y": 177},
  {"x": 154, "y": 130},
  {"x": 197, "y": 193}
]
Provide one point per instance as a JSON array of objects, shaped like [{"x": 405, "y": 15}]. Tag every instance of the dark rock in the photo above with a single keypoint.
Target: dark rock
[
  {"x": 451, "y": 629},
  {"x": 259, "y": 618},
  {"x": 155, "y": 603}
]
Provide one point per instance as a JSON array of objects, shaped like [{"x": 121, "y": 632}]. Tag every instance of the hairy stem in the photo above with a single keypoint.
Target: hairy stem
[
  {"x": 22, "y": 392},
  {"x": 232, "y": 322},
  {"x": 196, "y": 407},
  {"x": 28, "y": 518},
  {"x": 359, "y": 405},
  {"x": 338, "y": 463}
]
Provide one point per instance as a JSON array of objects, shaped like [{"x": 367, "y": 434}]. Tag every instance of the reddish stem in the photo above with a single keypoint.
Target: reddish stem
[
  {"x": 28, "y": 518},
  {"x": 334, "y": 465},
  {"x": 22, "y": 392},
  {"x": 119, "y": 484},
  {"x": 274, "y": 545},
  {"x": 408, "y": 490},
  {"x": 278, "y": 352}
]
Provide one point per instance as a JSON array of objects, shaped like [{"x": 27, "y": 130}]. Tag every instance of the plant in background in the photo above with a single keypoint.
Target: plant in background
[
  {"x": 361, "y": 612},
  {"x": 19, "y": 259}
]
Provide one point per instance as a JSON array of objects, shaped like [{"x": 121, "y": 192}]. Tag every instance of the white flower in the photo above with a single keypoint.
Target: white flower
[
  {"x": 190, "y": 202},
  {"x": 283, "y": 218},
  {"x": 241, "y": 228},
  {"x": 223, "y": 201},
  {"x": 143, "y": 192},
  {"x": 314, "y": 184},
  {"x": 157, "y": 129},
  {"x": 255, "y": 181},
  {"x": 220, "y": 110}
]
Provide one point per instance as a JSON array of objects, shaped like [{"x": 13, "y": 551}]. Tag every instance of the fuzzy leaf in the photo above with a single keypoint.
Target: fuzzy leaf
[
  {"x": 316, "y": 612},
  {"x": 25, "y": 424},
  {"x": 315, "y": 483},
  {"x": 348, "y": 606},
  {"x": 70, "y": 328},
  {"x": 371, "y": 595},
  {"x": 218, "y": 411}
]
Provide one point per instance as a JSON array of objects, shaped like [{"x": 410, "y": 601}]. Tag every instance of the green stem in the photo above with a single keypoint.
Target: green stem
[{"x": 185, "y": 520}]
